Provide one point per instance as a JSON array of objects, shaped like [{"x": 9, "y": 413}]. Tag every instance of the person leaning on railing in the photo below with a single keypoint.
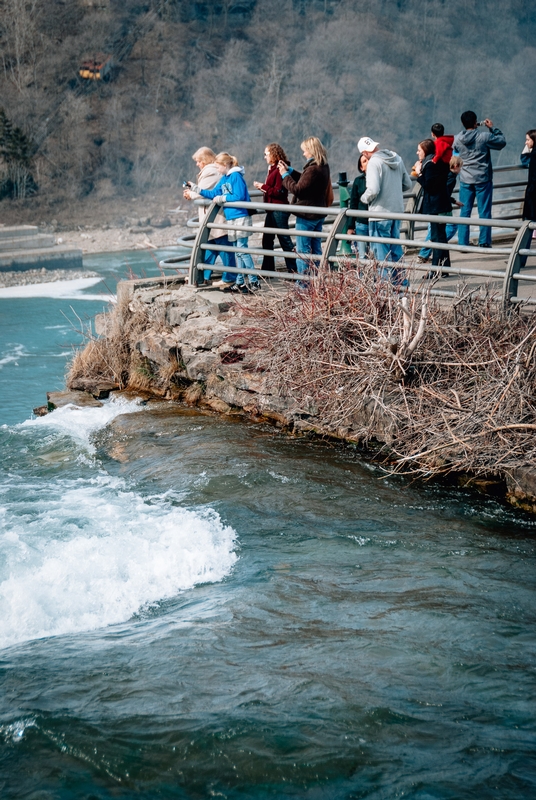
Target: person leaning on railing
[
  {"x": 359, "y": 227},
  {"x": 529, "y": 204},
  {"x": 433, "y": 177},
  {"x": 312, "y": 187},
  {"x": 207, "y": 178},
  {"x": 232, "y": 188},
  {"x": 274, "y": 192},
  {"x": 387, "y": 180}
]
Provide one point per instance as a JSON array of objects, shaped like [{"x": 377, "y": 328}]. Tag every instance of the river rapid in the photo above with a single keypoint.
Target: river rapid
[{"x": 195, "y": 607}]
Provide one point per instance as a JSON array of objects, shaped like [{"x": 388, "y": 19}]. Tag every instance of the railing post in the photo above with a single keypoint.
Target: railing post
[
  {"x": 338, "y": 226},
  {"x": 203, "y": 232},
  {"x": 522, "y": 242},
  {"x": 413, "y": 205}
]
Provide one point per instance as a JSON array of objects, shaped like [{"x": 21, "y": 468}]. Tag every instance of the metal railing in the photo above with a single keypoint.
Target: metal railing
[{"x": 516, "y": 251}]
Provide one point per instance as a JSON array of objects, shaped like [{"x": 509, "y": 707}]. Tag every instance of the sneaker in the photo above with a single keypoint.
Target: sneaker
[
  {"x": 222, "y": 284},
  {"x": 423, "y": 259},
  {"x": 255, "y": 287},
  {"x": 231, "y": 287}
]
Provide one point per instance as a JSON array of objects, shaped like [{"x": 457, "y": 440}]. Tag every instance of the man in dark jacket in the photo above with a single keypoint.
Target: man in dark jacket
[{"x": 476, "y": 176}]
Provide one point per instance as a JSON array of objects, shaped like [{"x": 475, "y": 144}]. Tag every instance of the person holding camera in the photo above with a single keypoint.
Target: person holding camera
[
  {"x": 474, "y": 144},
  {"x": 208, "y": 177}
]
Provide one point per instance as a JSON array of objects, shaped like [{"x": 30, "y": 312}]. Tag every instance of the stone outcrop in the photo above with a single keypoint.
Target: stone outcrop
[{"x": 192, "y": 345}]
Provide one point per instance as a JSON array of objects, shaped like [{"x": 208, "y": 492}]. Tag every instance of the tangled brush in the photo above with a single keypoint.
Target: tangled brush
[{"x": 450, "y": 387}]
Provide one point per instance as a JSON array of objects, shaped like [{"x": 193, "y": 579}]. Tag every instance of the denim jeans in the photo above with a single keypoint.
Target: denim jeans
[
  {"x": 426, "y": 252},
  {"x": 387, "y": 229},
  {"x": 483, "y": 192},
  {"x": 245, "y": 261},
  {"x": 227, "y": 259},
  {"x": 277, "y": 219},
  {"x": 361, "y": 229},
  {"x": 307, "y": 245}
]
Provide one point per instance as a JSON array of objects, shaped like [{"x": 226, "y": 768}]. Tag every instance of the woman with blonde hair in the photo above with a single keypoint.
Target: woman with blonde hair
[
  {"x": 232, "y": 187},
  {"x": 312, "y": 187},
  {"x": 208, "y": 177}
]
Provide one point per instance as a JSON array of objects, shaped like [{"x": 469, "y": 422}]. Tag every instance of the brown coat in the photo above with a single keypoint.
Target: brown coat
[{"x": 312, "y": 187}]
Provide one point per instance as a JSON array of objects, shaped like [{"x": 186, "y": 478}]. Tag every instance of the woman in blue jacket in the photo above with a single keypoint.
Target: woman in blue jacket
[{"x": 232, "y": 187}]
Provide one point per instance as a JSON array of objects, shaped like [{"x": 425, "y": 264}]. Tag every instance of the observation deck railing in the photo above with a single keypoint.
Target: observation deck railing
[{"x": 510, "y": 231}]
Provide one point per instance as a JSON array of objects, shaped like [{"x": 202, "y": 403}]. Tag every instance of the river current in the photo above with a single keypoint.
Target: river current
[{"x": 196, "y": 607}]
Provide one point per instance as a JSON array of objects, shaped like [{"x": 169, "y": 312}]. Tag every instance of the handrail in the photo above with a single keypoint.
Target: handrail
[{"x": 335, "y": 234}]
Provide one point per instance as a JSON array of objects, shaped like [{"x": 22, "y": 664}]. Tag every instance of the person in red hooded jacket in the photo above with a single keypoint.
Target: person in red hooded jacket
[{"x": 443, "y": 144}]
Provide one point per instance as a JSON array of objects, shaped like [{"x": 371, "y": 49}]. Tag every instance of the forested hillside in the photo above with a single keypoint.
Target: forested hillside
[{"x": 236, "y": 74}]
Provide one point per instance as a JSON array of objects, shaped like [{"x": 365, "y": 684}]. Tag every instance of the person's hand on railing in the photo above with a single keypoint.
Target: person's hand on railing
[{"x": 220, "y": 199}]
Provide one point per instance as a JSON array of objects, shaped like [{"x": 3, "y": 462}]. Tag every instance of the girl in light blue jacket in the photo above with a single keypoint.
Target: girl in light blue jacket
[{"x": 232, "y": 187}]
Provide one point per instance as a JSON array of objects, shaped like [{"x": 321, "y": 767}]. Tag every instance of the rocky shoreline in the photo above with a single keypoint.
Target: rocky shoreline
[{"x": 176, "y": 343}]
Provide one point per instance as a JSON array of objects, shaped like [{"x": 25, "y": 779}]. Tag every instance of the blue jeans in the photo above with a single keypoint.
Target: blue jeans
[
  {"x": 483, "y": 192},
  {"x": 361, "y": 229},
  {"x": 426, "y": 252},
  {"x": 245, "y": 261},
  {"x": 227, "y": 259},
  {"x": 307, "y": 245},
  {"x": 387, "y": 229}
]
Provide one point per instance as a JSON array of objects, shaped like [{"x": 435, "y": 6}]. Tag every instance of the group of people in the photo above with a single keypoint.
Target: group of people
[{"x": 378, "y": 189}]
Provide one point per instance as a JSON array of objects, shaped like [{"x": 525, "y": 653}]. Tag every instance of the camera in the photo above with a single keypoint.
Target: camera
[
  {"x": 481, "y": 124},
  {"x": 186, "y": 184}
]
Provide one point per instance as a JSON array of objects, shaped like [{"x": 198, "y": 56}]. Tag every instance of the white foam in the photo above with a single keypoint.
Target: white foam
[
  {"x": 95, "y": 554},
  {"x": 67, "y": 290},
  {"x": 12, "y": 355},
  {"x": 81, "y": 423}
]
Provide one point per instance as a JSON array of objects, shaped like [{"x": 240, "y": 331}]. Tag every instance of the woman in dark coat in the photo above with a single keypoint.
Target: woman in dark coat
[
  {"x": 311, "y": 187},
  {"x": 359, "y": 226},
  {"x": 436, "y": 197},
  {"x": 529, "y": 205}
]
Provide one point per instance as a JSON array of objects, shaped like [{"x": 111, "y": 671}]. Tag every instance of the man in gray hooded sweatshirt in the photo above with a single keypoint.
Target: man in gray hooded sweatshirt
[
  {"x": 474, "y": 145},
  {"x": 387, "y": 180}
]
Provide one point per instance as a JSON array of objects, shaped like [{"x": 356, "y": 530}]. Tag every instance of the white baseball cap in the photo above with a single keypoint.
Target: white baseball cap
[{"x": 366, "y": 144}]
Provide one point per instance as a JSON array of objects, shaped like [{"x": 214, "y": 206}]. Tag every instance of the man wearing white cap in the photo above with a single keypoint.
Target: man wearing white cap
[{"x": 387, "y": 180}]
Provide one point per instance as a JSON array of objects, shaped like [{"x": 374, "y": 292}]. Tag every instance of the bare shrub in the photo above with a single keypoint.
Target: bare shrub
[
  {"x": 109, "y": 358},
  {"x": 449, "y": 388}
]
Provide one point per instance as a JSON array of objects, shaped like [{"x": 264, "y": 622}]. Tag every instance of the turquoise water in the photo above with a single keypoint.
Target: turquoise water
[{"x": 198, "y": 607}]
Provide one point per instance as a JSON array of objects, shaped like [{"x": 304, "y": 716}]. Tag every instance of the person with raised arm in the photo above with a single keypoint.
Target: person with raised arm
[
  {"x": 232, "y": 188},
  {"x": 311, "y": 187},
  {"x": 274, "y": 192},
  {"x": 207, "y": 178},
  {"x": 474, "y": 144}
]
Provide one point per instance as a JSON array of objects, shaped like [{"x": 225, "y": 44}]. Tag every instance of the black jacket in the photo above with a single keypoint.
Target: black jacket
[
  {"x": 358, "y": 188},
  {"x": 529, "y": 206},
  {"x": 436, "y": 194}
]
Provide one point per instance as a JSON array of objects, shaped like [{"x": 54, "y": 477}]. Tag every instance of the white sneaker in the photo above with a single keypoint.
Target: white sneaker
[{"x": 222, "y": 284}]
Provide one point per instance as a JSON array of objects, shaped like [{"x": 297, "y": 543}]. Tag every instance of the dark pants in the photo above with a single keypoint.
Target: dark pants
[
  {"x": 277, "y": 219},
  {"x": 438, "y": 233}
]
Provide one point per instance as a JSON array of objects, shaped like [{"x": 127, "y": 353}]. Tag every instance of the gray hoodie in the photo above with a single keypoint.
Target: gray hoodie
[
  {"x": 474, "y": 147},
  {"x": 387, "y": 179}
]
